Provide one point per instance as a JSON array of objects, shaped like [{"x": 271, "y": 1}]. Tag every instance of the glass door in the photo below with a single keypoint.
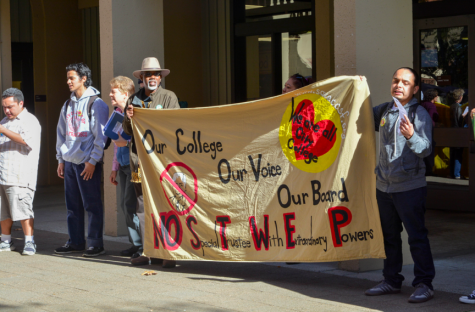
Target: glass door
[
  {"x": 443, "y": 48},
  {"x": 273, "y": 40}
]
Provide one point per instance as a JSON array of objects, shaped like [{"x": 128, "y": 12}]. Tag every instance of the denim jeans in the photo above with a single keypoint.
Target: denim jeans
[
  {"x": 456, "y": 157},
  {"x": 83, "y": 195},
  {"x": 406, "y": 208},
  {"x": 128, "y": 203},
  {"x": 140, "y": 208}
]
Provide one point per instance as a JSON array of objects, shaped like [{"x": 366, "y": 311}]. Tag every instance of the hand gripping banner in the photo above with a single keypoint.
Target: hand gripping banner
[{"x": 288, "y": 178}]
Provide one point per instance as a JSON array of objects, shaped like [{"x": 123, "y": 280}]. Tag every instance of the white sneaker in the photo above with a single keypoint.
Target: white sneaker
[
  {"x": 29, "y": 249},
  {"x": 468, "y": 299},
  {"x": 6, "y": 246}
]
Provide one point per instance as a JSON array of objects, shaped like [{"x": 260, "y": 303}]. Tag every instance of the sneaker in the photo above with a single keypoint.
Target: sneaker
[
  {"x": 383, "y": 288},
  {"x": 29, "y": 249},
  {"x": 66, "y": 249},
  {"x": 129, "y": 252},
  {"x": 422, "y": 294},
  {"x": 94, "y": 252},
  {"x": 468, "y": 299},
  {"x": 6, "y": 246}
]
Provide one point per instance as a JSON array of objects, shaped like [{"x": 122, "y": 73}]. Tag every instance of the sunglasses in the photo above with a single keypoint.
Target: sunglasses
[{"x": 150, "y": 74}]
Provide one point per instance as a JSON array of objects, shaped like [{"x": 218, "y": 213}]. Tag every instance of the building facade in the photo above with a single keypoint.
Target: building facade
[{"x": 219, "y": 52}]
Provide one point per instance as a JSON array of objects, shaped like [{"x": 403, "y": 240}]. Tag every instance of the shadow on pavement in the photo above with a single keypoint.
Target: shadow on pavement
[{"x": 234, "y": 277}]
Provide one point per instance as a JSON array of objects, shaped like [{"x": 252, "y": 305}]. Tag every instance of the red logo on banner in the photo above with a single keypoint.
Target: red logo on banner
[{"x": 179, "y": 199}]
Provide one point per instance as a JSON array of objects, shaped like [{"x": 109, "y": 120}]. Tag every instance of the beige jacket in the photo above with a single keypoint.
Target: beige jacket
[{"x": 161, "y": 98}]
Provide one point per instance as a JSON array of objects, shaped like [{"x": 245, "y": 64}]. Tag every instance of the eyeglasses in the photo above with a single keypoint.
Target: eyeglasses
[{"x": 150, "y": 74}]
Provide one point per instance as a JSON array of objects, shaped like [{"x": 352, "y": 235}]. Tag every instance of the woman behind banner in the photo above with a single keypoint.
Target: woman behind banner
[
  {"x": 295, "y": 82},
  {"x": 121, "y": 88}
]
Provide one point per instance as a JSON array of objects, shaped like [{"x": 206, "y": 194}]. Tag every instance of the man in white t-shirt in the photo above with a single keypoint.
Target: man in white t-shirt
[{"x": 20, "y": 136}]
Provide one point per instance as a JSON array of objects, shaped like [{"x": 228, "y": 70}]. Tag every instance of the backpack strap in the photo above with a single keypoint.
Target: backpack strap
[{"x": 89, "y": 105}]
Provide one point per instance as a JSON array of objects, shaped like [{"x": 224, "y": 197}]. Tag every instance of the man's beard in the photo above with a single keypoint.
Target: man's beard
[{"x": 152, "y": 87}]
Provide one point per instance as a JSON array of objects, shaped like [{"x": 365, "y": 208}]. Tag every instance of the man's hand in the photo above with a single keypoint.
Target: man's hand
[
  {"x": 130, "y": 111},
  {"x": 88, "y": 171},
  {"x": 121, "y": 142},
  {"x": 112, "y": 177},
  {"x": 407, "y": 129},
  {"x": 472, "y": 113},
  {"x": 61, "y": 170}
]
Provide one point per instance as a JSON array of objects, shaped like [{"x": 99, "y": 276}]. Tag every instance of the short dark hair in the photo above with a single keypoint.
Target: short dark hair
[
  {"x": 83, "y": 71},
  {"x": 299, "y": 81},
  {"x": 430, "y": 94},
  {"x": 17, "y": 95},
  {"x": 414, "y": 73}
]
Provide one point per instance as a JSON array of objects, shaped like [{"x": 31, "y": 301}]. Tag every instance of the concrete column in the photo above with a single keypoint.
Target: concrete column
[
  {"x": 5, "y": 47},
  {"x": 373, "y": 38},
  {"x": 129, "y": 32}
]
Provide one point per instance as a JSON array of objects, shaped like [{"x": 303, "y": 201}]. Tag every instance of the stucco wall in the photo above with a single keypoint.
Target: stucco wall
[
  {"x": 129, "y": 32},
  {"x": 383, "y": 43},
  {"x": 373, "y": 38}
]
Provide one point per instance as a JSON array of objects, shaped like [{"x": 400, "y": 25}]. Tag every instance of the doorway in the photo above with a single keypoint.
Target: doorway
[
  {"x": 272, "y": 41},
  {"x": 22, "y": 72},
  {"x": 442, "y": 51}
]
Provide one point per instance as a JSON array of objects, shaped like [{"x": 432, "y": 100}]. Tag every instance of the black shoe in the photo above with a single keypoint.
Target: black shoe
[
  {"x": 136, "y": 255},
  {"x": 94, "y": 252},
  {"x": 129, "y": 252},
  {"x": 67, "y": 249}
]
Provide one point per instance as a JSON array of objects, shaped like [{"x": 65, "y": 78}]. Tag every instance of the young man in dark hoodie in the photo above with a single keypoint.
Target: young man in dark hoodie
[
  {"x": 79, "y": 149},
  {"x": 401, "y": 186}
]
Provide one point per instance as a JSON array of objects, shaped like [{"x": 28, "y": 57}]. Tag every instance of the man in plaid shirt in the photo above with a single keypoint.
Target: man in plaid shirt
[{"x": 20, "y": 135}]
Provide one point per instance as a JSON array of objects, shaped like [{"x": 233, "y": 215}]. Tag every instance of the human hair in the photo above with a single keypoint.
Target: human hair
[
  {"x": 430, "y": 94},
  {"x": 299, "y": 81},
  {"x": 414, "y": 73},
  {"x": 124, "y": 84},
  {"x": 83, "y": 71},
  {"x": 457, "y": 93},
  {"x": 15, "y": 93}
]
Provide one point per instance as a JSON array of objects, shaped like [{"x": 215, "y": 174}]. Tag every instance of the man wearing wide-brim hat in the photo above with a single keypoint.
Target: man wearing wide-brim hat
[{"x": 151, "y": 96}]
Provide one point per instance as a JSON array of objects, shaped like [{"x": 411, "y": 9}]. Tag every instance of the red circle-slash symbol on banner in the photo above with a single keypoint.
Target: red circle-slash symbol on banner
[{"x": 185, "y": 196}]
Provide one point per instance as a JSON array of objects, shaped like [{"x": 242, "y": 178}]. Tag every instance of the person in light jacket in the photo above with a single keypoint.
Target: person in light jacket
[
  {"x": 401, "y": 186},
  {"x": 79, "y": 149}
]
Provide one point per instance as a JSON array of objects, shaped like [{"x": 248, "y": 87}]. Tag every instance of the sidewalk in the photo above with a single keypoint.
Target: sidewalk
[{"x": 48, "y": 282}]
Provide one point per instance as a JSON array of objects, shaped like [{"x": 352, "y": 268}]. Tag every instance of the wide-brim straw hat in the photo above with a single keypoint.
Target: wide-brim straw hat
[{"x": 151, "y": 64}]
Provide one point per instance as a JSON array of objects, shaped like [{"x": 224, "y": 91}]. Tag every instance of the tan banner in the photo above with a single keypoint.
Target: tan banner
[{"x": 288, "y": 178}]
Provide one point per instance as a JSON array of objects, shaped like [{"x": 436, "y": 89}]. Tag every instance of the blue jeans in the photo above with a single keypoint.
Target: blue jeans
[
  {"x": 83, "y": 195},
  {"x": 456, "y": 157},
  {"x": 406, "y": 208}
]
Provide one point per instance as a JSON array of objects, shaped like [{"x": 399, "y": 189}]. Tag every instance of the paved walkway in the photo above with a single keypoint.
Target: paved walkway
[
  {"x": 49, "y": 282},
  {"x": 46, "y": 282}
]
